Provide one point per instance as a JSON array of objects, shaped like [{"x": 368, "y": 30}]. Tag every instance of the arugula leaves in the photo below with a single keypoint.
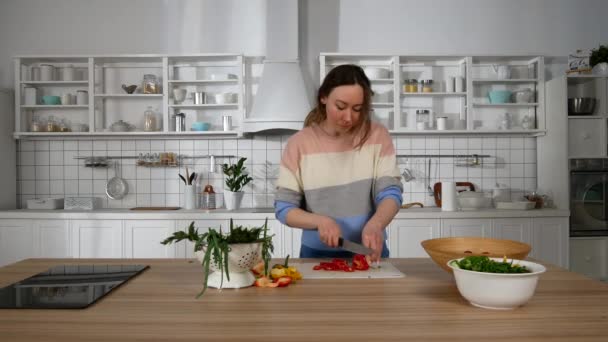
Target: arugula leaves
[{"x": 485, "y": 264}]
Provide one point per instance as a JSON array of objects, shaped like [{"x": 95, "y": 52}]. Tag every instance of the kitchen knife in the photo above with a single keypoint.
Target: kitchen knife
[{"x": 354, "y": 247}]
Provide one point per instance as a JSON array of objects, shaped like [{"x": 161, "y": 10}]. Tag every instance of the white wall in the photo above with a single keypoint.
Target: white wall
[
  {"x": 548, "y": 27},
  {"x": 134, "y": 26}
]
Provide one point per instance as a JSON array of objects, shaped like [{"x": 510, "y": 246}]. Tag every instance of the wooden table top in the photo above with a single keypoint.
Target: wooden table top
[{"x": 159, "y": 305}]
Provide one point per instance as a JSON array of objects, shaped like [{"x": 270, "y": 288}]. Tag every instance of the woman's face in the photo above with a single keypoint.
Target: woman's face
[{"x": 343, "y": 107}]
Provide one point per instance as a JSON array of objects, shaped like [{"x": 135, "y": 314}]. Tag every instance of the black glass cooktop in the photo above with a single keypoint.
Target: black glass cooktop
[{"x": 67, "y": 286}]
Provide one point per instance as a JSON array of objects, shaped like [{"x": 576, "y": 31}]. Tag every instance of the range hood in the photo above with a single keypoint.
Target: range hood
[{"x": 282, "y": 101}]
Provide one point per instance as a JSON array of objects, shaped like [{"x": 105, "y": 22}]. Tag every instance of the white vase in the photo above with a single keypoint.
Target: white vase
[
  {"x": 600, "y": 69},
  {"x": 233, "y": 200},
  {"x": 189, "y": 197}
]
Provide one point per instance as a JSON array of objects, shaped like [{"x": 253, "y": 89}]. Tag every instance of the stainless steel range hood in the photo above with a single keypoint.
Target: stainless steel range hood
[{"x": 281, "y": 101}]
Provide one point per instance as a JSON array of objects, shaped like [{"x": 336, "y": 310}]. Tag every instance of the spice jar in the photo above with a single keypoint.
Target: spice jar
[
  {"x": 427, "y": 86},
  {"x": 150, "y": 85},
  {"x": 412, "y": 85},
  {"x": 208, "y": 198},
  {"x": 423, "y": 117}
]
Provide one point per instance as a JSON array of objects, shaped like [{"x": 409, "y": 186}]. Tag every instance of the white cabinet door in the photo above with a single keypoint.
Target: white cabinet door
[
  {"x": 518, "y": 229},
  {"x": 185, "y": 249},
  {"x": 586, "y": 138},
  {"x": 143, "y": 237},
  {"x": 550, "y": 240},
  {"x": 589, "y": 256},
  {"x": 405, "y": 236},
  {"x": 97, "y": 239},
  {"x": 292, "y": 240},
  {"x": 52, "y": 239},
  {"x": 16, "y": 240},
  {"x": 466, "y": 227}
]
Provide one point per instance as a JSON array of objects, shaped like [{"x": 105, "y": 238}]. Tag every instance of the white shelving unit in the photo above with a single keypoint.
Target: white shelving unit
[
  {"x": 102, "y": 78},
  {"x": 588, "y": 134},
  {"x": 468, "y": 111}
]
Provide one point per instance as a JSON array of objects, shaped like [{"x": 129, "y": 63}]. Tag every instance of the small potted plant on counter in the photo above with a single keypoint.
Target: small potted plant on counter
[
  {"x": 599, "y": 60},
  {"x": 230, "y": 256},
  {"x": 236, "y": 179}
]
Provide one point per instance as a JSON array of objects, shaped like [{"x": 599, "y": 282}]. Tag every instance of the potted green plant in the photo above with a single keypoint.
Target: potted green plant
[
  {"x": 236, "y": 179},
  {"x": 230, "y": 256},
  {"x": 599, "y": 60}
]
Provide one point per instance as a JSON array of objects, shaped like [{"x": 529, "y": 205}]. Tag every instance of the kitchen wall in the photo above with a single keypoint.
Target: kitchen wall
[
  {"x": 49, "y": 168},
  {"x": 547, "y": 27}
]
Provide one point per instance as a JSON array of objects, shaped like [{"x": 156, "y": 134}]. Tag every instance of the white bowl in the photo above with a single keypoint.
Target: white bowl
[
  {"x": 498, "y": 291},
  {"x": 225, "y": 98},
  {"x": 376, "y": 73}
]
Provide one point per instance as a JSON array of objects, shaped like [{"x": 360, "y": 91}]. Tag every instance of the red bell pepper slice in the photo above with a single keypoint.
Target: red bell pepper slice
[{"x": 360, "y": 263}]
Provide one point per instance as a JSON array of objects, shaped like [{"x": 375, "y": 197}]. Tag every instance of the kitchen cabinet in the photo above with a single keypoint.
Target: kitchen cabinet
[
  {"x": 588, "y": 256},
  {"x": 52, "y": 239},
  {"x": 142, "y": 239},
  {"x": 458, "y": 92},
  {"x": 466, "y": 227},
  {"x": 405, "y": 236},
  {"x": 96, "y": 82},
  {"x": 587, "y": 134},
  {"x": 97, "y": 239},
  {"x": 16, "y": 238},
  {"x": 550, "y": 240},
  {"x": 518, "y": 229}
]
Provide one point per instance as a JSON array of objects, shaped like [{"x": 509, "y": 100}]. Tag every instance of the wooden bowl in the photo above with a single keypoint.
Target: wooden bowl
[{"x": 442, "y": 250}]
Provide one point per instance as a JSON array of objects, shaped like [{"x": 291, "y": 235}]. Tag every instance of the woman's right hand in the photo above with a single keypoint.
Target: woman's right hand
[{"x": 329, "y": 231}]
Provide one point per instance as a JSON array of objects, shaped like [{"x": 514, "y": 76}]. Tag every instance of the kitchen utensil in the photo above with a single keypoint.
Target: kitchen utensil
[
  {"x": 81, "y": 203},
  {"x": 129, "y": 89},
  {"x": 225, "y": 98},
  {"x": 498, "y": 291},
  {"x": 460, "y": 186},
  {"x": 68, "y": 73},
  {"x": 407, "y": 175},
  {"x": 117, "y": 187},
  {"x": 376, "y": 73},
  {"x": 499, "y": 96},
  {"x": 179, "y": 120},
  {"x": 581, "y": 105},
  {"x": 45, "y": 203},
  {"x": 189, "y": 197},
  {"x": 502, "y": 71},
  {"x": 515, "y": 205},
  {"x": 47, "y": 72},
  {"x": 227, "y": 123},
  {"x": 354, "y": 247},
  {"x": 428, "y": 180},
  {"x": 82, "y": 97},
  {"x": 471, "y": 200},
  {"x": 179, "y": 95},
  {"x": 523, "y": 95},
  {"x": 442, "y": 250},
  {"x": 120, "y": 126},
  {"x": 384, "y": 270},
  {"x": 200, "y": 126},
  {"x": 30, "y": 96},
  {"x": 241, "y": 259},
  {"x": 200, "y": 97},
  {"x": 51, "y": 100},
  {"x": 442, "y": 123}
]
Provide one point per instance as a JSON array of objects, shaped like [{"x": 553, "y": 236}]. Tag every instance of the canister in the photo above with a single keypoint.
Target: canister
[
  {"x": 442, "y": 123},
  {"x": 46, "y": 72},
  {"x": 179, "y": 120},
  {"x": 459, "y": 84},
  {"x": 227, "y": 123},
  {"x": 35, "y": 74},
  {"x": 30, "y": 96},
  {"x": 82, "y": 97},
  {"x": 200, "y": 97},
  {"x": 68, "y": 73}
]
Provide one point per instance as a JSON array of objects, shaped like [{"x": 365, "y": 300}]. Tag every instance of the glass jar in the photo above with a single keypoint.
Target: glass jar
[
  {"x": 208, "y": 198},
  {"x": 37, "y": 125},
  {"x": 51, "y": 124},
  {"x": 427, "y": 86},
  {"x": 413, "y": 85},
  {"x": 149, "y": 120},
  {"x": 150, "y": 84},
  {"x": 423, "y": 117}
]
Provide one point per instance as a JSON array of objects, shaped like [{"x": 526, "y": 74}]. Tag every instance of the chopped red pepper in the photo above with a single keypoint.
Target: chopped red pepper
[{"x": 359, "y": 264}]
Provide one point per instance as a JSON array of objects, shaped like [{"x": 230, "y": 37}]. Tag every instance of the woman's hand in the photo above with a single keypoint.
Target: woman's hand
[
  {"x": 329, "y": 231},
  {"x": 373, "y": 237}
]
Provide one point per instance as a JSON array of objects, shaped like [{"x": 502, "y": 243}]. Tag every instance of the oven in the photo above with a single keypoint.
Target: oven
[{"x": 588, "y": 197}]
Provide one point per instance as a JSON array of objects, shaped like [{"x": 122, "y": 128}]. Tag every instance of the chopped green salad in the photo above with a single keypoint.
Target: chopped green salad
[{"x": 485, "y": 264}]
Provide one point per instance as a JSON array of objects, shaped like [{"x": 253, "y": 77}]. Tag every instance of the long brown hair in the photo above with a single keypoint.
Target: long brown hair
[{"x": 347, "y": 74}]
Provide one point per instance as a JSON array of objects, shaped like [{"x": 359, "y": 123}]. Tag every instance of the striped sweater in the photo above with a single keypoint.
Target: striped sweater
[{"x": 326, "y": 175}]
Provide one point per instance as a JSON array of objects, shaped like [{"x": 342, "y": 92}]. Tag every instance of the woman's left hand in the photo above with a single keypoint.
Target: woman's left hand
[{"x": 373, "y": 237}]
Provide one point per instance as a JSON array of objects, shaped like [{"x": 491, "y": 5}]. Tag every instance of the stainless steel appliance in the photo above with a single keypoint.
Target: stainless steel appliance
[{"x": 588, "y": 197}]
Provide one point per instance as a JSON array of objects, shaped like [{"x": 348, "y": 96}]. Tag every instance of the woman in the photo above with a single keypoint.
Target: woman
[{"x": 338, "y": 175}]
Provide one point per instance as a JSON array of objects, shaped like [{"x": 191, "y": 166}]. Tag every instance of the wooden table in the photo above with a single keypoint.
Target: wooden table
[{"x": 159, "y": 305}]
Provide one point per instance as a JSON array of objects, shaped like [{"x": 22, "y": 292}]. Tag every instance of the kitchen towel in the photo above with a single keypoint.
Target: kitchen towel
[{"x": 448, "y": 196}]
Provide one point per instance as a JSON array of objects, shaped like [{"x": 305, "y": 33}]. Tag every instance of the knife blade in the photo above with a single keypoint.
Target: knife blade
[{"x": 354, "y": 247}]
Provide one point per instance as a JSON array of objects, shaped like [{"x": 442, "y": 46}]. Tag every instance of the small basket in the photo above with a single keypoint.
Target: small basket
[
  {"x": 81, "y": 203},
  {"x": 442, "y": 250}
]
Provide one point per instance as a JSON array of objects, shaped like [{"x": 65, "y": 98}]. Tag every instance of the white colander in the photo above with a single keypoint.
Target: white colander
[{"x": 241, "y": 258}]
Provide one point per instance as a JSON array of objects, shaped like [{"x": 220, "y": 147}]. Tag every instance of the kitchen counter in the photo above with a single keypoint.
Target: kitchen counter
[
  {"x": 257, "y": 213},
  {"x": 159, "y": 305}
]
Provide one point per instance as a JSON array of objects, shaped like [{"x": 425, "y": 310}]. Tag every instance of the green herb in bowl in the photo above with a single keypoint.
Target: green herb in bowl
[{"x": 485, "y": 264}]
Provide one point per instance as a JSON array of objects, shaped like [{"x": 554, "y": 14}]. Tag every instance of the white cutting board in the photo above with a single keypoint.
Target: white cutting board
[{"x": 386, "y": 270}]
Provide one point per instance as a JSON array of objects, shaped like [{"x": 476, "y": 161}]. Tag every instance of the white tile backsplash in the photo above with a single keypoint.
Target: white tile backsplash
[{"x": 49, "y": 168}]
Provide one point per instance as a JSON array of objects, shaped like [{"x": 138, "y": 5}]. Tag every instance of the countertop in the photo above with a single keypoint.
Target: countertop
[
  {"x": 159, "y": 305},
  {"x": 258, "y": 213}
]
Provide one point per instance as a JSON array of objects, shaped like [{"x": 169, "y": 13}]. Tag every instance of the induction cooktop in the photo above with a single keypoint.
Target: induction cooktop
[{"x": 67, "y": 286}]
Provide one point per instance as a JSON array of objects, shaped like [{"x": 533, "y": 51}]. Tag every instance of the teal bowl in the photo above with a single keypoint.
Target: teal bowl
[
  {"x": 499, "y": 96},
  {"x": 51, "y": 100},
  {"x": 200, "y": 126}
]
